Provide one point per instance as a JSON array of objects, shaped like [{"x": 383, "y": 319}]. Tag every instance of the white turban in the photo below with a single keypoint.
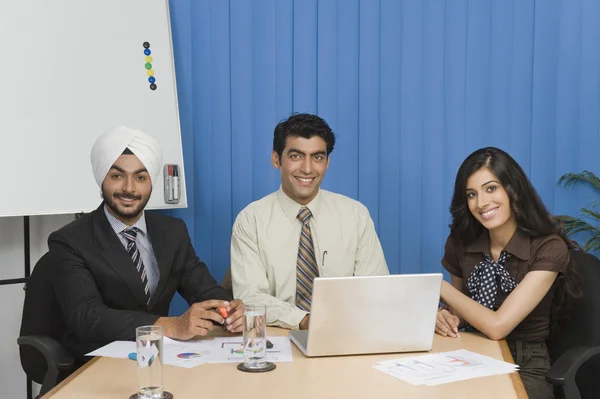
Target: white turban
[{"x": 110, "y": 145}]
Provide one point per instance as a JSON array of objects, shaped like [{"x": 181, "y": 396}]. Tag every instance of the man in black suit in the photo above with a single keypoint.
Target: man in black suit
[{"x": 118, "y": 267}]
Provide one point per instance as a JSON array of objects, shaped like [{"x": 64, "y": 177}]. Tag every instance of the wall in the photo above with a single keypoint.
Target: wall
[{"x": 12, "y": 377}]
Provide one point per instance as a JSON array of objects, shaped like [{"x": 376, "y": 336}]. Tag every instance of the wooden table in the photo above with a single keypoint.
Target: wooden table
[{"x": 326, "y": 377}]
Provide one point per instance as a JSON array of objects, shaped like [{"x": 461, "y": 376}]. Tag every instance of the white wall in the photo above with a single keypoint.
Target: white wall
[{"x": 12, "y": 377}]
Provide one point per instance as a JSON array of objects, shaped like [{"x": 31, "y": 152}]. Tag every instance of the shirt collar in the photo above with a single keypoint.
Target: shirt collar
[
  {"x": 291, "y": 207},
  {"x": 119, "y": 226},
  {"x": 518, "y": 245}
]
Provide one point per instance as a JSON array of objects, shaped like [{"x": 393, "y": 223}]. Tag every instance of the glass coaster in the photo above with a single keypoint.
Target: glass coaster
[
  {"x": 268, "y": 367},
  {"x": 166, "y": 395}
]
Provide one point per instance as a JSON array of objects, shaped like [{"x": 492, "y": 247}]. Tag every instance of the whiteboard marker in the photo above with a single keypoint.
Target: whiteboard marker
[
  {"x": 170, "y": 183},
  {"x": 175, "y": 182}
]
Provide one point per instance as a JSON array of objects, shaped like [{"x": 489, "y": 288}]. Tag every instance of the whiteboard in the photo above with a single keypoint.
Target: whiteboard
[{"x": 70, "y": 70}]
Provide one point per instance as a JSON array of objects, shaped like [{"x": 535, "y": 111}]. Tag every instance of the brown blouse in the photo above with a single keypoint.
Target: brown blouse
[{"x": 529, "y": 253}]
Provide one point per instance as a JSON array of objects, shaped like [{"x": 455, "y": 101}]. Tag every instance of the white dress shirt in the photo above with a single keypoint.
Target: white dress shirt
[
  {"x": 144, "y": 246},
  {"x": 264, "y": 249}
]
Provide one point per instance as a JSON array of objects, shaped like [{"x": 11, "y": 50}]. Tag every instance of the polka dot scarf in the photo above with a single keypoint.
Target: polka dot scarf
[{"x": 483, "y": 281}]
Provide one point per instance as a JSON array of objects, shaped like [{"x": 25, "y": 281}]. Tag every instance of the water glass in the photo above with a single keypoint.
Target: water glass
[
  {"x": 255, "y": 336},
  {"x": 149, "y": 351}
]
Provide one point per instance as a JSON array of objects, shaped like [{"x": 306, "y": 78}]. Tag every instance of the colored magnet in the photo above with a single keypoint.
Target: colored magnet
[{"x": 148, "y": 66}]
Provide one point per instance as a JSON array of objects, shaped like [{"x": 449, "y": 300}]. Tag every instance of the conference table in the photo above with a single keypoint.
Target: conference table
[{"x": 322, "y": 377}]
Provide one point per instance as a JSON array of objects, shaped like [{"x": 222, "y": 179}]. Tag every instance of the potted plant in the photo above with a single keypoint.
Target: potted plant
[{"x": 589, "y": 222}]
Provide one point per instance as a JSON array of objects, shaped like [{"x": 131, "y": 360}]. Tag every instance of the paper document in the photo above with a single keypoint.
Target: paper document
[
  {"x": 119, "y": 349},
  {"x": 231, "y": 350},
  {"x": 193, "y": 353},
  {"x": 186, "y": 354},
  {"x": 441, "y": 368}
]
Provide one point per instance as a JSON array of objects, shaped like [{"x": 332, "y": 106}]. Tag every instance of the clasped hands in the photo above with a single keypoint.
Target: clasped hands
[{"x": 198, "y": 319}]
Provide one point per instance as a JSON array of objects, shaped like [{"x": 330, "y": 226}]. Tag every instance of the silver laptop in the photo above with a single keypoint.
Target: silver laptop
[{"x": 371, "y": 314}]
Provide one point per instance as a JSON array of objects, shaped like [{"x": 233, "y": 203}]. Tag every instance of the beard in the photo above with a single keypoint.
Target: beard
[{"x": 126, "y": 212}]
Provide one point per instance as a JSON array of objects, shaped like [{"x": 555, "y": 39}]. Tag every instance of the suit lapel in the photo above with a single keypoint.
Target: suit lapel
[
  {"x": 116, "y": 256},
  {"x": 160, "y": 244}
]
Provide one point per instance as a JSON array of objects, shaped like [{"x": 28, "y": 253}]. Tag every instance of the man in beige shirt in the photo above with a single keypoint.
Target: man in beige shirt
[{"x": 281, "y": 242}]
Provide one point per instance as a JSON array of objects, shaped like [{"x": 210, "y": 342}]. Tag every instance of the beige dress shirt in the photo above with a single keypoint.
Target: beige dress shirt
[{"x": 264, "y": 249}]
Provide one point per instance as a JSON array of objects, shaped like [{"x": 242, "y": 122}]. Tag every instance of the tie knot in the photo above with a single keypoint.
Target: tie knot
[
  {"x": 130, "y": 234},
  {"x": 304, "y": 215}
]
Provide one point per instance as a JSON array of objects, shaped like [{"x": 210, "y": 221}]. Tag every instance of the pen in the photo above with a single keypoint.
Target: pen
[{"x": 223, "y": 312}]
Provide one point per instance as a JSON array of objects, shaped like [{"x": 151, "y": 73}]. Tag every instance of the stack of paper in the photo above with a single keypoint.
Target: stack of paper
[
  {"x": 193, "y": 353},
  {"x": 441, "y": 368}
]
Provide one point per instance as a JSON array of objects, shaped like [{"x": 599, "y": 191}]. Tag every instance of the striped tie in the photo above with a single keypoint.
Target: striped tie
[
  {"x": 307, "y": 269},
  {"x": 131, "y": 235}
]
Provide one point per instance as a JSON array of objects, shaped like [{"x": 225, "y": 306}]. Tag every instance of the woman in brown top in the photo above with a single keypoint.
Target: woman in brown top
[{"x": 509, "y": 263}]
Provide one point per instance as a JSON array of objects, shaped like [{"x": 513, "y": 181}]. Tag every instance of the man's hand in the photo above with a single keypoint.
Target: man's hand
[
  {"x": 446, "y": 324},
  {"x": 235, "y": 311},
  {"x": 304, "y": 322},
  {"x": 197, "y": 320}
]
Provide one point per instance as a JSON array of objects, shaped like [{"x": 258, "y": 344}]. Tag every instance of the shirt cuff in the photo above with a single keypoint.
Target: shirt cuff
[{"x": 292, "y": 319}]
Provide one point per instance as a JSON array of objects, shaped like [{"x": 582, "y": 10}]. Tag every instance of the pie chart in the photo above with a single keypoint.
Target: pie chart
[{"x": 188, "y": 355}]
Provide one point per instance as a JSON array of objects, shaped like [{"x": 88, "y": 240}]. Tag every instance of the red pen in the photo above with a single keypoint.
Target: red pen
[{"x": 223, "y": 312}]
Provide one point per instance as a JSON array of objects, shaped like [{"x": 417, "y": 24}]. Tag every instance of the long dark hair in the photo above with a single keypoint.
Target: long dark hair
[{"x": 531, "y": 214}]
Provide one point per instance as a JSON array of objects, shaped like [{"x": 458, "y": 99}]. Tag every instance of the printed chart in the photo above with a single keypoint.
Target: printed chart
[{"x": 441, "y": 368}]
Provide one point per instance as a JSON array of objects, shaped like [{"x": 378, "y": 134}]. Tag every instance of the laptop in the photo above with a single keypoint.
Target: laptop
[{"x": 371, "y": 314}]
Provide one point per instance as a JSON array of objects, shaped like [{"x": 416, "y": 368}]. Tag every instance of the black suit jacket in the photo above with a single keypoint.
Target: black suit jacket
[{"x": 99, "y": 290}]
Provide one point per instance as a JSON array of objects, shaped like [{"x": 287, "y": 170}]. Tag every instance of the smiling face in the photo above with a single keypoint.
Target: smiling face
[
  {"x": 489, "y": 203},
  {"x": 302, "y": 167},
  {"x": 126, "y": 189}
]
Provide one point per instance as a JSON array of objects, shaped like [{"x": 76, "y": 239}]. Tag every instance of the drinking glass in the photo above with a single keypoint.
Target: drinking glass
[{"x": 255, "y": 336}]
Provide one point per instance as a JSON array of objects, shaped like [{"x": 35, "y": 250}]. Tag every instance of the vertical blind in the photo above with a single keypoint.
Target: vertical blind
[{"x": 410, "y": 88}]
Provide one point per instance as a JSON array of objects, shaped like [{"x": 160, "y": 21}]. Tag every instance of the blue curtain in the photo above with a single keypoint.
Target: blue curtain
[{"x": 410, "y": 88}]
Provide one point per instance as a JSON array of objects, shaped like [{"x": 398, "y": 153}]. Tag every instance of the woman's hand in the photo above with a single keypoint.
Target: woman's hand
[{"x": 447, "y": 324}]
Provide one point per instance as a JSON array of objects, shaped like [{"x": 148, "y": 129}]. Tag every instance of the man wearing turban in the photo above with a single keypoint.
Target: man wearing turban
[{"x": 118, "y": 267}]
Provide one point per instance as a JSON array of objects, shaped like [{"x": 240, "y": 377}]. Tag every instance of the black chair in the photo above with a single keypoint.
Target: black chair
[
  {"x": 227, "y": 283},
  {"x": 42, "y": 327},
  {"x": 575, "y": 348}
]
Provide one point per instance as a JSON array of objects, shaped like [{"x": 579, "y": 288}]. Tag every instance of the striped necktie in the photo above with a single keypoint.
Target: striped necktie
[
  {"x": 306, "y": 269},
  {"x": 131, "y": 236}
]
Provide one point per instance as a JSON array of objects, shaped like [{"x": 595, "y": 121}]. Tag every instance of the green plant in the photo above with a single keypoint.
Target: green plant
[{"x": 589, "y": 222}]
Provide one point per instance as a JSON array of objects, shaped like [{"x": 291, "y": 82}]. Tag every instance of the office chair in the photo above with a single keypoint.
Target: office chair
[
  {"x": 42, "y": 327},
  {"x": 226, "y": 282},
  {"x": 575, "y": 348}
]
